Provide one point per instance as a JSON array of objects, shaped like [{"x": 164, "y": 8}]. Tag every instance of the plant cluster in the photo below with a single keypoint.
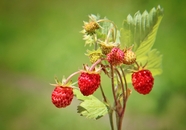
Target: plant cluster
[{"x": 124, "y": 55}]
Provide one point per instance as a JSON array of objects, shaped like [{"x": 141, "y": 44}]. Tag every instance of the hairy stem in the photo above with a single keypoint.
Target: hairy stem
[
  {"x": 69, "y": 77},
  {"x": 103, "y": 94},
  {"x": 95, "y": 40},
  {"x": 126, "y": 88},
  {"x": 122, "y": 85},
  {"x": 111, "y": 119},
  {"x": 125, "y": 80},
  {"x": 94, "y": 65},
  {"x": 120, "y": 109},
  {"x": 137, "y": 65},
  {"x": 109, "y": 108},
  {"x": 120, "y": 123},
  {"x": 107, "y": 38},
  {"x": 112, "y": 82}
]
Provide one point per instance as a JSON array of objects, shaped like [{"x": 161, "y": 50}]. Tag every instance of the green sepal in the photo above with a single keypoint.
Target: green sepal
[
  {"x": 93, "y": 17},
  {"x": 89, "y": 39}
]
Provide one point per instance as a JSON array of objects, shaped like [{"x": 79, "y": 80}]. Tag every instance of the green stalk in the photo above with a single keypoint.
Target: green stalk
[
  {"x": 95, "y": 40},
  {"x": 109, "y": 108},
  {"x": 113, "y": 92},
  {"x": 126, "y": 87},
  {"x": 111, "y": 119},
  {"x": 120, "y": 109},
  {"x": 125, "y": 80},
  {"x": 69, "y": 77},
  {"x": 94, "y": 65},
  {"x": 103, "y": 94},
  {"x": 112, "y": 82}
]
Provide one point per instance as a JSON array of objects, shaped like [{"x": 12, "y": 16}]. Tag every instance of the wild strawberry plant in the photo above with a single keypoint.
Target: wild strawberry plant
[{"x": 124, "y": 55}]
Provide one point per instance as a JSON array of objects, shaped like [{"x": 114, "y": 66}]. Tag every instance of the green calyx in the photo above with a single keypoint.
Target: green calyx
[
  {"x": 107, "y": 47},
  {"x": 94, "y": 55}
]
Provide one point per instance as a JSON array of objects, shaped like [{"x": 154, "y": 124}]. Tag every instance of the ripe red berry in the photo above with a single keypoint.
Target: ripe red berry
[
  {"x": 142, "y": 81},
  {"x": 115, "y": 57},
  {"x": 88, "y": 82},
  {"x": 62, "y": 96}
]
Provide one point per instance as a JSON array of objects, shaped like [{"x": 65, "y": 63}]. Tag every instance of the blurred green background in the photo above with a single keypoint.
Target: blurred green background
[{"x": 41, "y": 39}]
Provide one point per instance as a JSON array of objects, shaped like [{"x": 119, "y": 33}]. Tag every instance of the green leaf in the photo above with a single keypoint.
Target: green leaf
[
  {"x": 89, "y": 40},
  {"x": 141, "y": 29},
  {"x": 80, "y": 96},
  {"x": 94, "y": 17},
  {"x": 154, "y": 62},
  {"x": 106, "y": 26},
  {"x": 90, "y": 107},
  {"x": 126, "y": 36},
  {"x": 146, "y": 45}
]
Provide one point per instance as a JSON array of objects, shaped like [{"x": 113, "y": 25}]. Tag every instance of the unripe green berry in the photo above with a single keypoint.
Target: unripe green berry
[
  {"x": 94, "y": 55},
  {"x": 91, "y": 27},
  {"x": 129, "y": 58},
  {"x": 106, "y": 48}
]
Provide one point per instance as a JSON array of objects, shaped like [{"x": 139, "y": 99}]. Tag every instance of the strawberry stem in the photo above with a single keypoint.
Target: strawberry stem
[
  {"x": 125, "y": 80},
  {"x": 138, "y": 66},
  {"x": 108, "y": 35},
  {"x": 69, "y": 77},
  {"x": 120, "y": 109},
  {"x": 95, "y": 40},
  {"x": 112, "y": 83},
  {"x": 94, "y": 65},
  {"x": 103, "y": 94},
  {"x": 111, "y": 119}
]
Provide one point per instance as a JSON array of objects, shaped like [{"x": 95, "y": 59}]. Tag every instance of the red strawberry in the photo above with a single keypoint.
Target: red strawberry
[
  {"x": 115, "y": 57},
  {"x": 62, "y": 96},
  {"x": 142, "y": 81},
  {"x": 88, "y": 82}
]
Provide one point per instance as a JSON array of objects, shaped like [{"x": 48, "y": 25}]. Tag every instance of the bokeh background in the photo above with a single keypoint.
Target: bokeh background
[{"x": 41, "y": 39}]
